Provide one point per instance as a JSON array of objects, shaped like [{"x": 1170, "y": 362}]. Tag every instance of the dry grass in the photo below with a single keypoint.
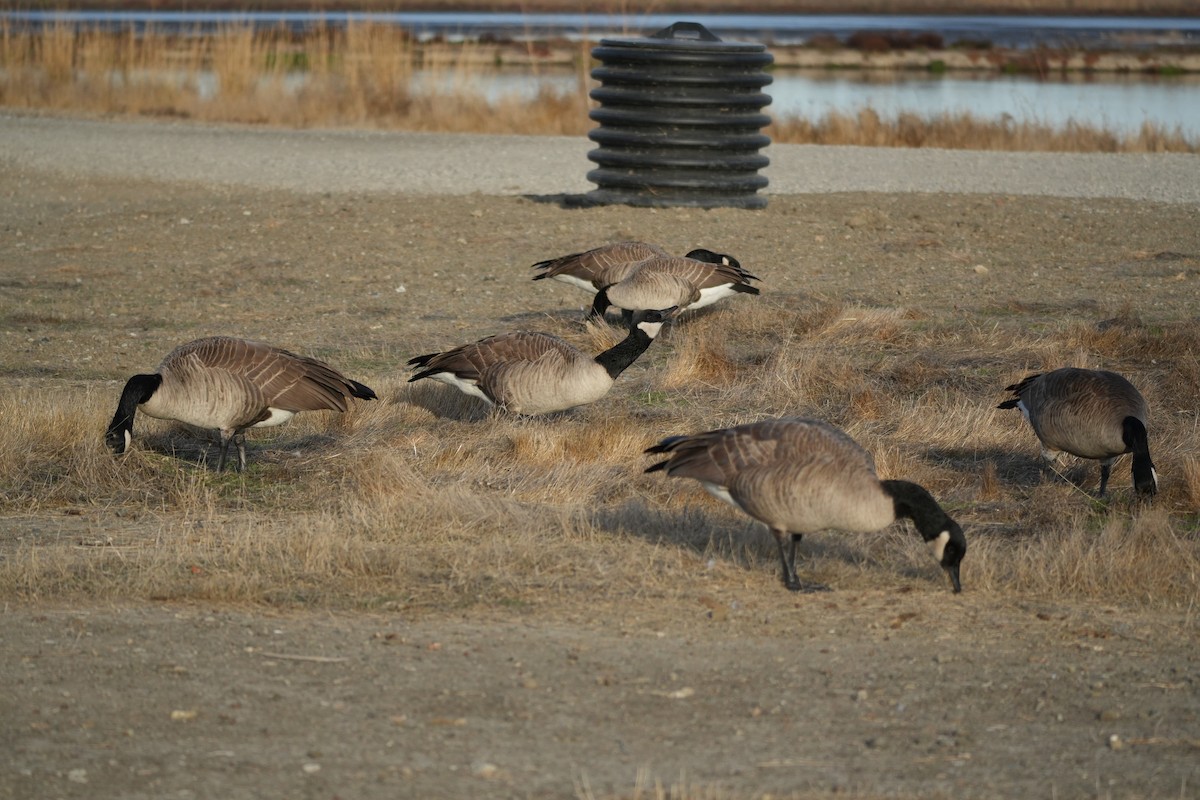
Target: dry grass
[
  {"x": 366, "y": 75},
  {"x": 966, "y": 132},
  {"x": 423, "y": 499}
]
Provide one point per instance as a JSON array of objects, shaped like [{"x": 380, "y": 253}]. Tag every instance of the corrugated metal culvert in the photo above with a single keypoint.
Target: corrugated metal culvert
[{"x": 680, "y": 120}]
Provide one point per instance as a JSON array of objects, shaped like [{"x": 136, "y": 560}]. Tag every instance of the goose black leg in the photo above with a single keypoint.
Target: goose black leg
[
  {"x": 1105, "y": 471},
  {"x": 787, "y": 558},
  {"x": 240, "y": 440}
]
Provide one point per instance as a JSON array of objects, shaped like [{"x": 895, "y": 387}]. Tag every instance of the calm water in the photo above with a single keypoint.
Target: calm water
[{"x": 1117, "y": 102}]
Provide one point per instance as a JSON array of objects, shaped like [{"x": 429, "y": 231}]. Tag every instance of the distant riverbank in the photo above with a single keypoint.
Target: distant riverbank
[{"x": 1172, "y": 8}]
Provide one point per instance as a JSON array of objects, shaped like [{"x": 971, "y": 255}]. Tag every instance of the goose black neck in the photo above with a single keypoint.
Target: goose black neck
[
  {"x": 913, "y": 501},
  {"x": 138, "y": 390},
  {"x": 617, "y": 358},
  {"x": 1133, "y": 433},
  {"x": 599, "y": 305}
]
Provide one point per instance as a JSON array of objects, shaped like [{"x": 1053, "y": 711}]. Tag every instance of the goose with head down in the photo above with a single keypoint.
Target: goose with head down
[
  {"x": 800, "y": 476},
  {"x": 538, "y": 373},
  {"x": 229, "y": 385},
  {"x": 602, "y": 266},
  {"x": 1088, "y": 413},
  {"x": 686, "y": 283}
]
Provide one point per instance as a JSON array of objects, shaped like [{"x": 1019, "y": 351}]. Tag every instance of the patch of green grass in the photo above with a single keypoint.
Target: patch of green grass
[{"x": 655, "y": 398}]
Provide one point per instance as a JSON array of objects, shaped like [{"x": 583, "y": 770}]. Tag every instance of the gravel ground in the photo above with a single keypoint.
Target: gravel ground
[{"x": 457, "y": 164}]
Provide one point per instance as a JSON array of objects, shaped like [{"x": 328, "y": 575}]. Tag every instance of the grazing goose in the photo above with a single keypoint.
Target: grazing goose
[
  {"x": 1088, "y": 413},
  {"x": 594, "y": 269},
  {"x": 537, "y": 373},
  {"x": 804, "y": 475},
  {"x": 230, "y": 385},
  {"x": 669, "y": 281}
]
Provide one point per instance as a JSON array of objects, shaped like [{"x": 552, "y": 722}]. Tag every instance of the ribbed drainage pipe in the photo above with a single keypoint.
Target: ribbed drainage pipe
[{"x": 680, "y": 120}]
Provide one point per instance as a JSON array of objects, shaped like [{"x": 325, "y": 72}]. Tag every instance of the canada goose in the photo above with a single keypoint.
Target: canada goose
[
  {"x": 230, "y": 385},
  {"x": 804, "y": 475},
  {"x": 669, "y": 281},
  {"x": 537, "y": 373},
  {"x": 1088, "y": 413},
  {"x": 594, "y": 269}
]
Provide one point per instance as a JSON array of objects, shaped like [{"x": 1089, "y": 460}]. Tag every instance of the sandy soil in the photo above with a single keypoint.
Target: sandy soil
[{"x": 876, "y": 693}]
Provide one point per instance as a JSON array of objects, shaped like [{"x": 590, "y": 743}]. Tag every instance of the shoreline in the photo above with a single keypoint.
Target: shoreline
[
  {"x": 966, "y": 8},
  {"x": 1043, "y": 61}
]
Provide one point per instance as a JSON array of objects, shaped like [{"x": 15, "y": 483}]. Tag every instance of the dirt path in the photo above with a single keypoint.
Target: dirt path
[{"x": 901, "y": 695}]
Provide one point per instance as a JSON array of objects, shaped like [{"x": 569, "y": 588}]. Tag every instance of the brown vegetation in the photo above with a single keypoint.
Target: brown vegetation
[
  {"x": 426, "y": 499},
  {"x": 367, "y": 76}
]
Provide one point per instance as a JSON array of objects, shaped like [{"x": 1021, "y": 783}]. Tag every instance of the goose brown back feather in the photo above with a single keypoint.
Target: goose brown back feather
[
  {"x": 669, "y": 280},
  {"x": 599, "y": 266}
]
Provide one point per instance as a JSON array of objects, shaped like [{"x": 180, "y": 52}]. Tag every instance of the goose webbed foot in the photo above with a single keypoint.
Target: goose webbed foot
[{"x": 794, "y": 585}]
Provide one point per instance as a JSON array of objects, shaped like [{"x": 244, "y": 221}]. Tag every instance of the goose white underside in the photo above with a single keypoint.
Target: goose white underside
[
  {"x": 721, "y": 493},
  {"x": 464, "y": 386},
  {"x": 278, "y": 416},
  {"x": 1024, "y": 409},
  {"x": 574, "y": 281},
  {"x": 710, "y": 296}
]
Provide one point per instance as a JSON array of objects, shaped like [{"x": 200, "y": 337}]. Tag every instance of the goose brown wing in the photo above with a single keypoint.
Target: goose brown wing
[
  {"x": 718, "y": 456},
  {"x": 721, "y": 456},
  {"x": 472, "y": 361},
  {"x": 279, "y": 378},
  {"x": 804, "y": 435},
  {"x": 646, "y": 288},
  {"x": 601, "y": 265},
  {"x": 700, "y": 274}
]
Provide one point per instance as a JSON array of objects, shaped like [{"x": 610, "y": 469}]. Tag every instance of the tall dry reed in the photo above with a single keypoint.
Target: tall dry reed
[{"x": 376, "y": 76}]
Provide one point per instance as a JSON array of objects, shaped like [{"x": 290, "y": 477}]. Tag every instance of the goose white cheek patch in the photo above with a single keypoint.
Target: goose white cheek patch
[
  {"x": 651, "y": 329},
  {"x": 128, "y": 439},
  {"x": 938, "y": 545}
]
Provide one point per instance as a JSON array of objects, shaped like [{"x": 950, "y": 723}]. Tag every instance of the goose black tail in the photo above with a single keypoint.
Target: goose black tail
[
  {"x": 665, "y": 446},
  {"x": 420, "y": 361},
  {"x": 361, "y": 391}
]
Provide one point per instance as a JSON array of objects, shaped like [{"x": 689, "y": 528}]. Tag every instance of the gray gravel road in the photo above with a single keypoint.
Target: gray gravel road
[{"x": 424, "y": 163}]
